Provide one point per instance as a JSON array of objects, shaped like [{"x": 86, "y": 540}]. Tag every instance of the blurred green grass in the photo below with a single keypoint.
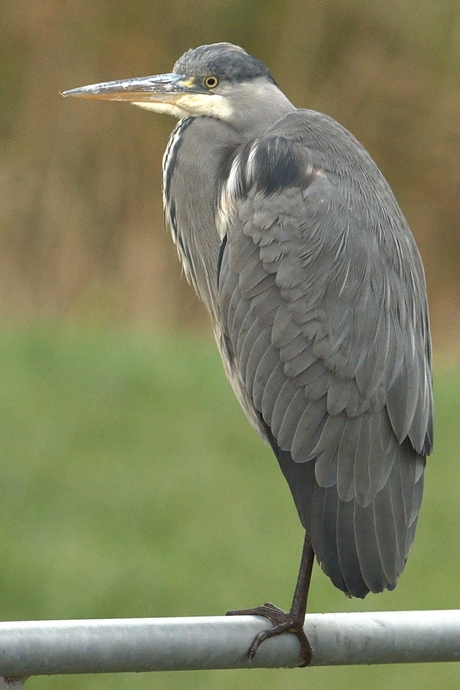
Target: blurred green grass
[{"x": 132, "y": 485}]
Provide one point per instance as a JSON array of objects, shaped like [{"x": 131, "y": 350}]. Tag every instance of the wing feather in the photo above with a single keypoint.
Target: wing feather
[
  {"x": 273, "y": 385},
  {"x": 285, "y": 329},
  {"x": 331, "y": 563},
  {"x": 282, "y": 402},
  {"x": 386, "y": 536},
  {"x": 364, "y": 520},
  {"x": 291, "y": 419},
  {"x": 303, "y": 368},
  {"x": 259, "y": 347},
  {"x": 324, "y": 332},
  {"x": 269, "y": 362},
  {"x": 347, "y": 552},
  {"x": 309, "y": 431},
  {"x": 245, "y": 327}
]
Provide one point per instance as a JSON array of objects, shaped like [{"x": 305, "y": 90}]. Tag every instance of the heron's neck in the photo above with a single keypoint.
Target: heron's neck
[
  {"x": 191, "y": 180},
  {"x": 256, "y": 107},
  {"x": 192, "y": 168}
]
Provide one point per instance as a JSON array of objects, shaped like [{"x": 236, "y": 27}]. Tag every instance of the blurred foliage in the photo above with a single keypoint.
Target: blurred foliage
[
  {"x": 80, "y": 204},
  {"x": 132, "y": 485}
]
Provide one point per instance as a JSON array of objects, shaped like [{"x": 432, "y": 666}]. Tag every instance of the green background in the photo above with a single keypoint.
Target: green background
[{"x": 132, "y": 485}]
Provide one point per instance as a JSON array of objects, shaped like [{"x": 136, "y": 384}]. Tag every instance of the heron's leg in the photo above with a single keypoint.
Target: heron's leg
[{"x": 287, "y": 621}]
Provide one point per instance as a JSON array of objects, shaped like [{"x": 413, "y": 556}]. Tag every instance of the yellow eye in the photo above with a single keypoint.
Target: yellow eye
[{"x": 211, "y": 82}]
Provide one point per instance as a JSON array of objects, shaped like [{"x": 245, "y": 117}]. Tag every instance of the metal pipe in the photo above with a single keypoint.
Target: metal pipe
[{"x": 171, "y": 644}]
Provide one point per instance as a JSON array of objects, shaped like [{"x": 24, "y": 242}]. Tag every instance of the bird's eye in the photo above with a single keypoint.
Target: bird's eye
[{"x": 211, "y": 82}]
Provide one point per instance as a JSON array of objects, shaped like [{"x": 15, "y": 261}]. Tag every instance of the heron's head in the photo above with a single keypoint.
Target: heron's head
[{"x": 219, "y": 80}]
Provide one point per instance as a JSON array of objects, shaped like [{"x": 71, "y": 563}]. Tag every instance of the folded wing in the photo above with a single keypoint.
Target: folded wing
[{"x": 326, "y": 341}]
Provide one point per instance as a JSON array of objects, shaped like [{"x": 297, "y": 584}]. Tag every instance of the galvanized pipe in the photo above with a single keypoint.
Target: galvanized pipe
[{"x": 171, "y": 644}]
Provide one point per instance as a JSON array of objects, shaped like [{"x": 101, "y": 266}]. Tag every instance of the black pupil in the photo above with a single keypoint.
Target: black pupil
[{"x": 211, "y": 81}]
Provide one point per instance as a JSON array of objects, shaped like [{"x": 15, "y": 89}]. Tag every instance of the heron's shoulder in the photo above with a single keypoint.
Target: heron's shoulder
[
  {"x": 331, "y": 144},
  {"x": 296, "y": 123}
]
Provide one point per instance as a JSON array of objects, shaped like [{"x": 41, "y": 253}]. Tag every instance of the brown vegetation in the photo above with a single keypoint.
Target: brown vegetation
[{"x": 81, "y": 228}]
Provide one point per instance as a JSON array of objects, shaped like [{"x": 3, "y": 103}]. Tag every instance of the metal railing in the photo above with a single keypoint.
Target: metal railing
[{"x": 172, "y": 644}]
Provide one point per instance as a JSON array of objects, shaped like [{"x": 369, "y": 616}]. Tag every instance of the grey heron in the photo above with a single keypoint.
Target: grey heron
[{"x": 315, "y": 288}]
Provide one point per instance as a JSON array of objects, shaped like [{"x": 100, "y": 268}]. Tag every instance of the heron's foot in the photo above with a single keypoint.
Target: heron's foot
[{"x": 282, "y": 621}]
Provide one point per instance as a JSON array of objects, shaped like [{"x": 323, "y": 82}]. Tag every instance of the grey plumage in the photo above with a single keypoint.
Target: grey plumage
[
  {"x": 296, "y": 245},
  {"x": 345, "y": 312}
]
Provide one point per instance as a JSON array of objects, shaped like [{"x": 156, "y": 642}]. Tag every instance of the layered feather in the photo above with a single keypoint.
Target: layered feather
[{"x": 327, "y": 344}]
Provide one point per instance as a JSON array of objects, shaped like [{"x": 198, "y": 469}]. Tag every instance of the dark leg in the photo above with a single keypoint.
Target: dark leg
[{"x": 291, "y": 621}]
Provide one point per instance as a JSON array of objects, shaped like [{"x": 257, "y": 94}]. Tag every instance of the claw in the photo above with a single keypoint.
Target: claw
[
  {"x": 282, "y": 622},
  {"x": 291, "y": 621},
  {"x": 268, "y": 610}
]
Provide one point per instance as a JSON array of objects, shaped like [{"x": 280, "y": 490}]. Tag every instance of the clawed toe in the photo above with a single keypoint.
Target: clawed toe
[
  {"x": 294, "y": 619},
  {"x": 268, "y": 610},
  {"x": 282, "y": 622}
]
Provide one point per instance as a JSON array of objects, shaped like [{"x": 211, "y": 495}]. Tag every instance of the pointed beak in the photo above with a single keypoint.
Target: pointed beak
[{"x": 162, "y": 88}]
